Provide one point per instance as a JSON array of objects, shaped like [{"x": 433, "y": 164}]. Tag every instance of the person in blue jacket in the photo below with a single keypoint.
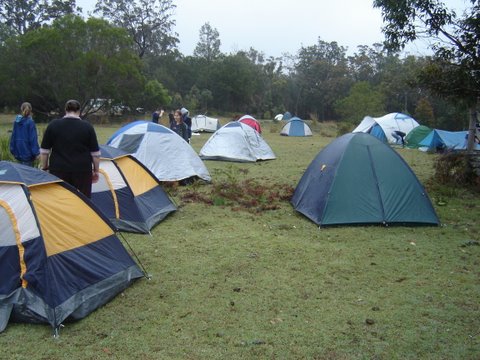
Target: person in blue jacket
[
  {"x": 157, "y": 115},
  {"x": 24, "y": 140}
]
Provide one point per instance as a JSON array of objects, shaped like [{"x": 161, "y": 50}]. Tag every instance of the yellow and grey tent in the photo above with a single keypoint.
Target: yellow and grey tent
[
  {"x": 59, "y": 256},
  {"x": 128, "y": 194}
]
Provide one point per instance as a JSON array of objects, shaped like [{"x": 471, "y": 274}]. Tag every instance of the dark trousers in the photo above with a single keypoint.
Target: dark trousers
[{"x": 82, "y": 181}]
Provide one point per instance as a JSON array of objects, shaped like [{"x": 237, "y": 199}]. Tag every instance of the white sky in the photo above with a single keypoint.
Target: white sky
[{"x": 275, "y": 27}]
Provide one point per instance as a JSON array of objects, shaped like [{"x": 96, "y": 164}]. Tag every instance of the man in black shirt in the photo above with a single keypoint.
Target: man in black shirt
[{"x": 70, "y": 149}]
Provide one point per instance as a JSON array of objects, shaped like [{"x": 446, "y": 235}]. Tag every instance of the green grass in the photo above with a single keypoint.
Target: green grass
[{"x": 239, "y": 285}]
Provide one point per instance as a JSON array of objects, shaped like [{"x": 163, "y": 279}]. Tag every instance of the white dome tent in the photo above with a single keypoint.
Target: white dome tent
[
  {"x": 236, "y": 141},
  {"x": 161, "y": 150},
  {"x": 384, "y": 126},
  {"x": 203, "y": 123}
]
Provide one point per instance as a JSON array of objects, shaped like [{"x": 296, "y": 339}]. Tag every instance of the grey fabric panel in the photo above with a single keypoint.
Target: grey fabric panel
[
  {"x": 130, "y": 143},
  {"x": 24, "y": 306}
]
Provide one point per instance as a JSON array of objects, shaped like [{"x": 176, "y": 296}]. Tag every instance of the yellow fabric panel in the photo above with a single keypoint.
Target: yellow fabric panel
[
  {"x": 139, "y": 180},
  {"x": 18, "y": 240},
  {"x": 22, "y": 183},
  {"x": 66, "y": 221},
  {"x": 112, "y": 191}
]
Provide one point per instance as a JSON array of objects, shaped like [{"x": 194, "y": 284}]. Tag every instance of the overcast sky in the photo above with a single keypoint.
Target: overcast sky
[{"x": 275, "y": 27}]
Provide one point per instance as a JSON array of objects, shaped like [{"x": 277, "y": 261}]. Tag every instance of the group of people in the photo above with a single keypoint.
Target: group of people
[
  {"x": 69, "y": 147},
  {"x": 179, "y": 122}
]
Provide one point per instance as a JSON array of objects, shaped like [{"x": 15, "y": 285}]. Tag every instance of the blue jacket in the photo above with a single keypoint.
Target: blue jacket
[{"x": 24, "y": 140}]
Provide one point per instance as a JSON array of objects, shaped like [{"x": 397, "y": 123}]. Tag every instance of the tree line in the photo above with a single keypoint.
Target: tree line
[{"x": 126, "y": 55}]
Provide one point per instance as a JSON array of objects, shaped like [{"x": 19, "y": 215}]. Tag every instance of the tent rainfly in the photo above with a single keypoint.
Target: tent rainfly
[
  {"x": 358, "y": 179},
  {"x": 128, "y": 194},
  {"x": 414, "y": 137},
  {"x": 236, "y": 141},
  {"x": 161, "y": 150},
  {"x": 296, "y": 127},
  {"x": 252, "y": 122},
  {"x": 59, "y": 257},
  {"x": 384, "y": 126},
  {"x": 446, "y": 140},
  {"x": 203, "y": 123}
]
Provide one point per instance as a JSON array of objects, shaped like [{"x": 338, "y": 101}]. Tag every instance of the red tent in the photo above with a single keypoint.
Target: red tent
[{"x": 252, "y": 122}]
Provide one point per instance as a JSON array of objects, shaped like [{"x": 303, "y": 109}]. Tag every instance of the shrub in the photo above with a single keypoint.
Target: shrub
[
  {"x": 455, "y": 169},
  {"x": 241, "y": 194},
  {"x": 5, "y": 149},
  {"x": 343, "y": 128}
]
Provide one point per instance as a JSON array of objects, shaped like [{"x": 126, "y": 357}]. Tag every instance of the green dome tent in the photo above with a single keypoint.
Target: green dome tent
[
  {"x": 358, "y": 179},
  {"x": 413, "y": 138}
]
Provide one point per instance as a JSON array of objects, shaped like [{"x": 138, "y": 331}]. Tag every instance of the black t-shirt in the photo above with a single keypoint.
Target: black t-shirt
[
  {"x": 71, "y": 141},
  {"x": 182, "y": 130}
]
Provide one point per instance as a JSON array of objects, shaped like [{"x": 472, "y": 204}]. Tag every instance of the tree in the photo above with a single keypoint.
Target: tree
[
  {"x": 365, "y": 64},
  {"x": 72, "y": 59},
  {"x": 424, "y": 111},
  {"x": 156, "y": 95},
  {"x": 149, "y": 22},
  {"x": 205, "y": 97},
  {"x": 234, "y": 84},
  {"x": 208, "y": 47},
  {"x": 456, "y": 46},
  {"x": 362, "y": 100},
  {"x": 192, "y": 99},
  {"x": 21, "y": 16},
  {"x": 321, "y": 78},
  {"x": 5, "y": 33}
]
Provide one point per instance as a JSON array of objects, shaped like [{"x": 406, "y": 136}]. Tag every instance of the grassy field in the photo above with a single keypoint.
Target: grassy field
[{"x": 234, "y": 284}]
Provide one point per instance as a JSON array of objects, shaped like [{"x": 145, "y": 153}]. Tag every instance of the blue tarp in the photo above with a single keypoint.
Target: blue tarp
[{"x": 442, "y": 139}]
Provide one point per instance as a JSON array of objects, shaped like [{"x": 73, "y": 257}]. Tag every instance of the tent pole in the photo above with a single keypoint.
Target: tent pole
[{"x": 145, "y": 273}]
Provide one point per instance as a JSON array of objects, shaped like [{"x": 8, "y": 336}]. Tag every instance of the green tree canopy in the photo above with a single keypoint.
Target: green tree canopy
[
  {"x": 234, "y": 83},
  {"x": 321, "y": 78},
  {"x": 19, "y": 16},
  {"x": 149, "y": 22},
  {"x": 71, "y": 59},
  {"x": 208, "y": 47},
  {"x": 456, "y": 69},
  {"x": 156, "y": 95},
  {"x": 362, "y": 100}
]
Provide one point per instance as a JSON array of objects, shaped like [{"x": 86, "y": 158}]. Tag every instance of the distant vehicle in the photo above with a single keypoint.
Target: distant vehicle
[
  {"x": 119, "y": 110},
  {"x": 98, "y": 106}
]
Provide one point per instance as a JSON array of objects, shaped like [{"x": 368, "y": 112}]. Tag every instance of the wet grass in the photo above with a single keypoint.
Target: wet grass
[{"x": 234, "y": 284}]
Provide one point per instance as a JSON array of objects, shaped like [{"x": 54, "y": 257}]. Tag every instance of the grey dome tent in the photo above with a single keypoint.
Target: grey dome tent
[
  {"x": 161, "y": 150},
  {"x": 383, "y": 127},
  {"x": 238, "y": 142},
  {"x": 358, "y": 179}
]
